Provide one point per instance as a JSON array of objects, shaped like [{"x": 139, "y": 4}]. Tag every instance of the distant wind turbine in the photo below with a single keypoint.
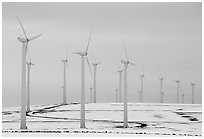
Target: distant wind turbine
[
  {"x": 178, "y": 86},
  {"x": 116, "y": 95},
  {"x": 125, "y": 62},
  {"x": 65, "y": 81},
  {"x": 83, "y": 54},
  {"x": 120, "y": 82},
  {"x": 141, "y": 90},
  {"x": 182, "y": 98},
  {"x": 91, "y": 96},
  {"x": 193, "y": 89},
  {"x": 161, "y": 88},
  {"x": 95, "y": 64},
  {"x": 24, "y": 42},
  {"x": 29, "y": 64}
]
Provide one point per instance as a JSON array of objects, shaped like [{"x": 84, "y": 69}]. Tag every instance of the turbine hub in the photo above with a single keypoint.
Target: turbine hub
[
  {"x": 125, "y": 62},
  {"x": 23, "y": 40}
]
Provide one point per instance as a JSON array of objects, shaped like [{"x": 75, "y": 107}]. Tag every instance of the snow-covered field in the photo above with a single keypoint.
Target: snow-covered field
[{"x": 147, "y": 119}]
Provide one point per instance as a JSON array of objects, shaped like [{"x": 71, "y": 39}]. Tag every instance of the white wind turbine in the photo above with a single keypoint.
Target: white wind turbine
[
  {"x": 65, "y": 81},
  {"x": 183, "y": 98},
  {"x": 120, "y": 82},
  {"x": 29, "y": 64},
  {"x": 83, "y": 54},
  {"x": 95, "y": 64},
  {"x": 24, "y": 42},
  {"x": 161, "y": 78},
  {"x": 125, "y": 62},
  {"x": 193, "y": 87},
  {"x": 116, "y": 95},
  {"x": 141, "y": 90},
  {"x": 178, "y": 87},
  {"x": 91, "y": 96}
]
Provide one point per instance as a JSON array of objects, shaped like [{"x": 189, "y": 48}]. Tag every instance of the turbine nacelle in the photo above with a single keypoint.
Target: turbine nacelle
[
  {"x": 64, "y": 60},
  {"x": 120, "y": 71},
  {"x": 192, "y": 84},
  {"x": 162, "y": 78},
  {"x": 23, "y": 40},
  {"x": 125, "y": 62},
  {"x": 95, "y": 64},
  {"x": 81, "y": 53},
  {"x": 29, "y": 63},
  {"x": 141, "y": 75}
]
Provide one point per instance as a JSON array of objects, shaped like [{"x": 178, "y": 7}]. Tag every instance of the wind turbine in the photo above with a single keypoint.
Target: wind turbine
[
  {"x": 116, "y": 95},
  {"x": 83, "y": 54},
  {"x": 120, "y": 82},
  {"x": 91, "y": 94},
  {"x": 29, "y": 64},
  {"x": 141, "y": 91},
  {"x": 95, "y": 64},
  {"x": 65, "y": 81},
  {"x": 125, "y": 62},
  {"x": 182, "y": 98},
  {"x": 24, "y": 40},
  {"x": 178, "y": 86},
  {"x": 161, "y": 78},
  {"x": 193, "y": 87}
]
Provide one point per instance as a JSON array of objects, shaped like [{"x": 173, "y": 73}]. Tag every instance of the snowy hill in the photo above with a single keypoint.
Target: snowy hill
[{"x": 147, "y": 119}]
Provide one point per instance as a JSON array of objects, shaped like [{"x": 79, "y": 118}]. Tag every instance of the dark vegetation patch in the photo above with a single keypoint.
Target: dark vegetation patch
[
  {"x": 138, "y": 125},
  {"x": 186, "y": 116},
  {"x": 6, "y": 113},
  {"x": 193, "y": 119},
  {"x": 158, "y": 116}
]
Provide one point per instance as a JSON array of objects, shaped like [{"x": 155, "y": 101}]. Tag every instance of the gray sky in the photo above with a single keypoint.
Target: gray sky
[{"x": 163, "y": 37}]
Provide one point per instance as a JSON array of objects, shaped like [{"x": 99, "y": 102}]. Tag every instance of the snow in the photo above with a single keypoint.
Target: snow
[{"x": 147, "y": 119}]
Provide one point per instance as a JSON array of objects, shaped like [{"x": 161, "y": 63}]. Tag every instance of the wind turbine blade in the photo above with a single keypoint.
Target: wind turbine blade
[
  {"x": 160, "y": 74},
  {"x": 89, "y": 65},
  {"x": 180, "y": 77},
  {"x": 195, "y": 82},
  {"x": 32, "y": 38},
  {"x": 88, "y": 42},
  {"x": 21, "y": 26},
  {"x": 67, "y": 66},
  {"x": 133, "y": 64},
  {"x": 118, "y": 66},
  {"x": 93, "y": 58},
  {"x": 75, "y": 52},
  {"x": 143, "y": 69},
  {"x": 190, "y": 81},
  {"x": 67, "y": 54},
  {"x": 125, "y": 51}
]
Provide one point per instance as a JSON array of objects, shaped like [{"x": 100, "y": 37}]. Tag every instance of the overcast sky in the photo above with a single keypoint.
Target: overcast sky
[{"x": 162, "y": 37}]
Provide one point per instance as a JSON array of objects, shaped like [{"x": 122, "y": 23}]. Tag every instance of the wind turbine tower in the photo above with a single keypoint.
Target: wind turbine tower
[
  {"x": 95, "y": 64},
  {"x": 83, "y": 54},
  {"x": 177, "y": 90},
  {"x": 91, "y": 94},
  {"x": 178, "y": 87},
  {"x": 29, "y": 64},
  {"x": 116, "y": 95},
  {"x": 141, "y": 91},
  {"x": 193, "y": 89},
  {"x": 64, "y": 82},
  {"x": 24, "y": 42},
  {"x": 182, "y": 98},
  {"x": 125, "y": 62},
  {"x": 161, "y": 89},
  {"x": 120, "y": 82}
]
